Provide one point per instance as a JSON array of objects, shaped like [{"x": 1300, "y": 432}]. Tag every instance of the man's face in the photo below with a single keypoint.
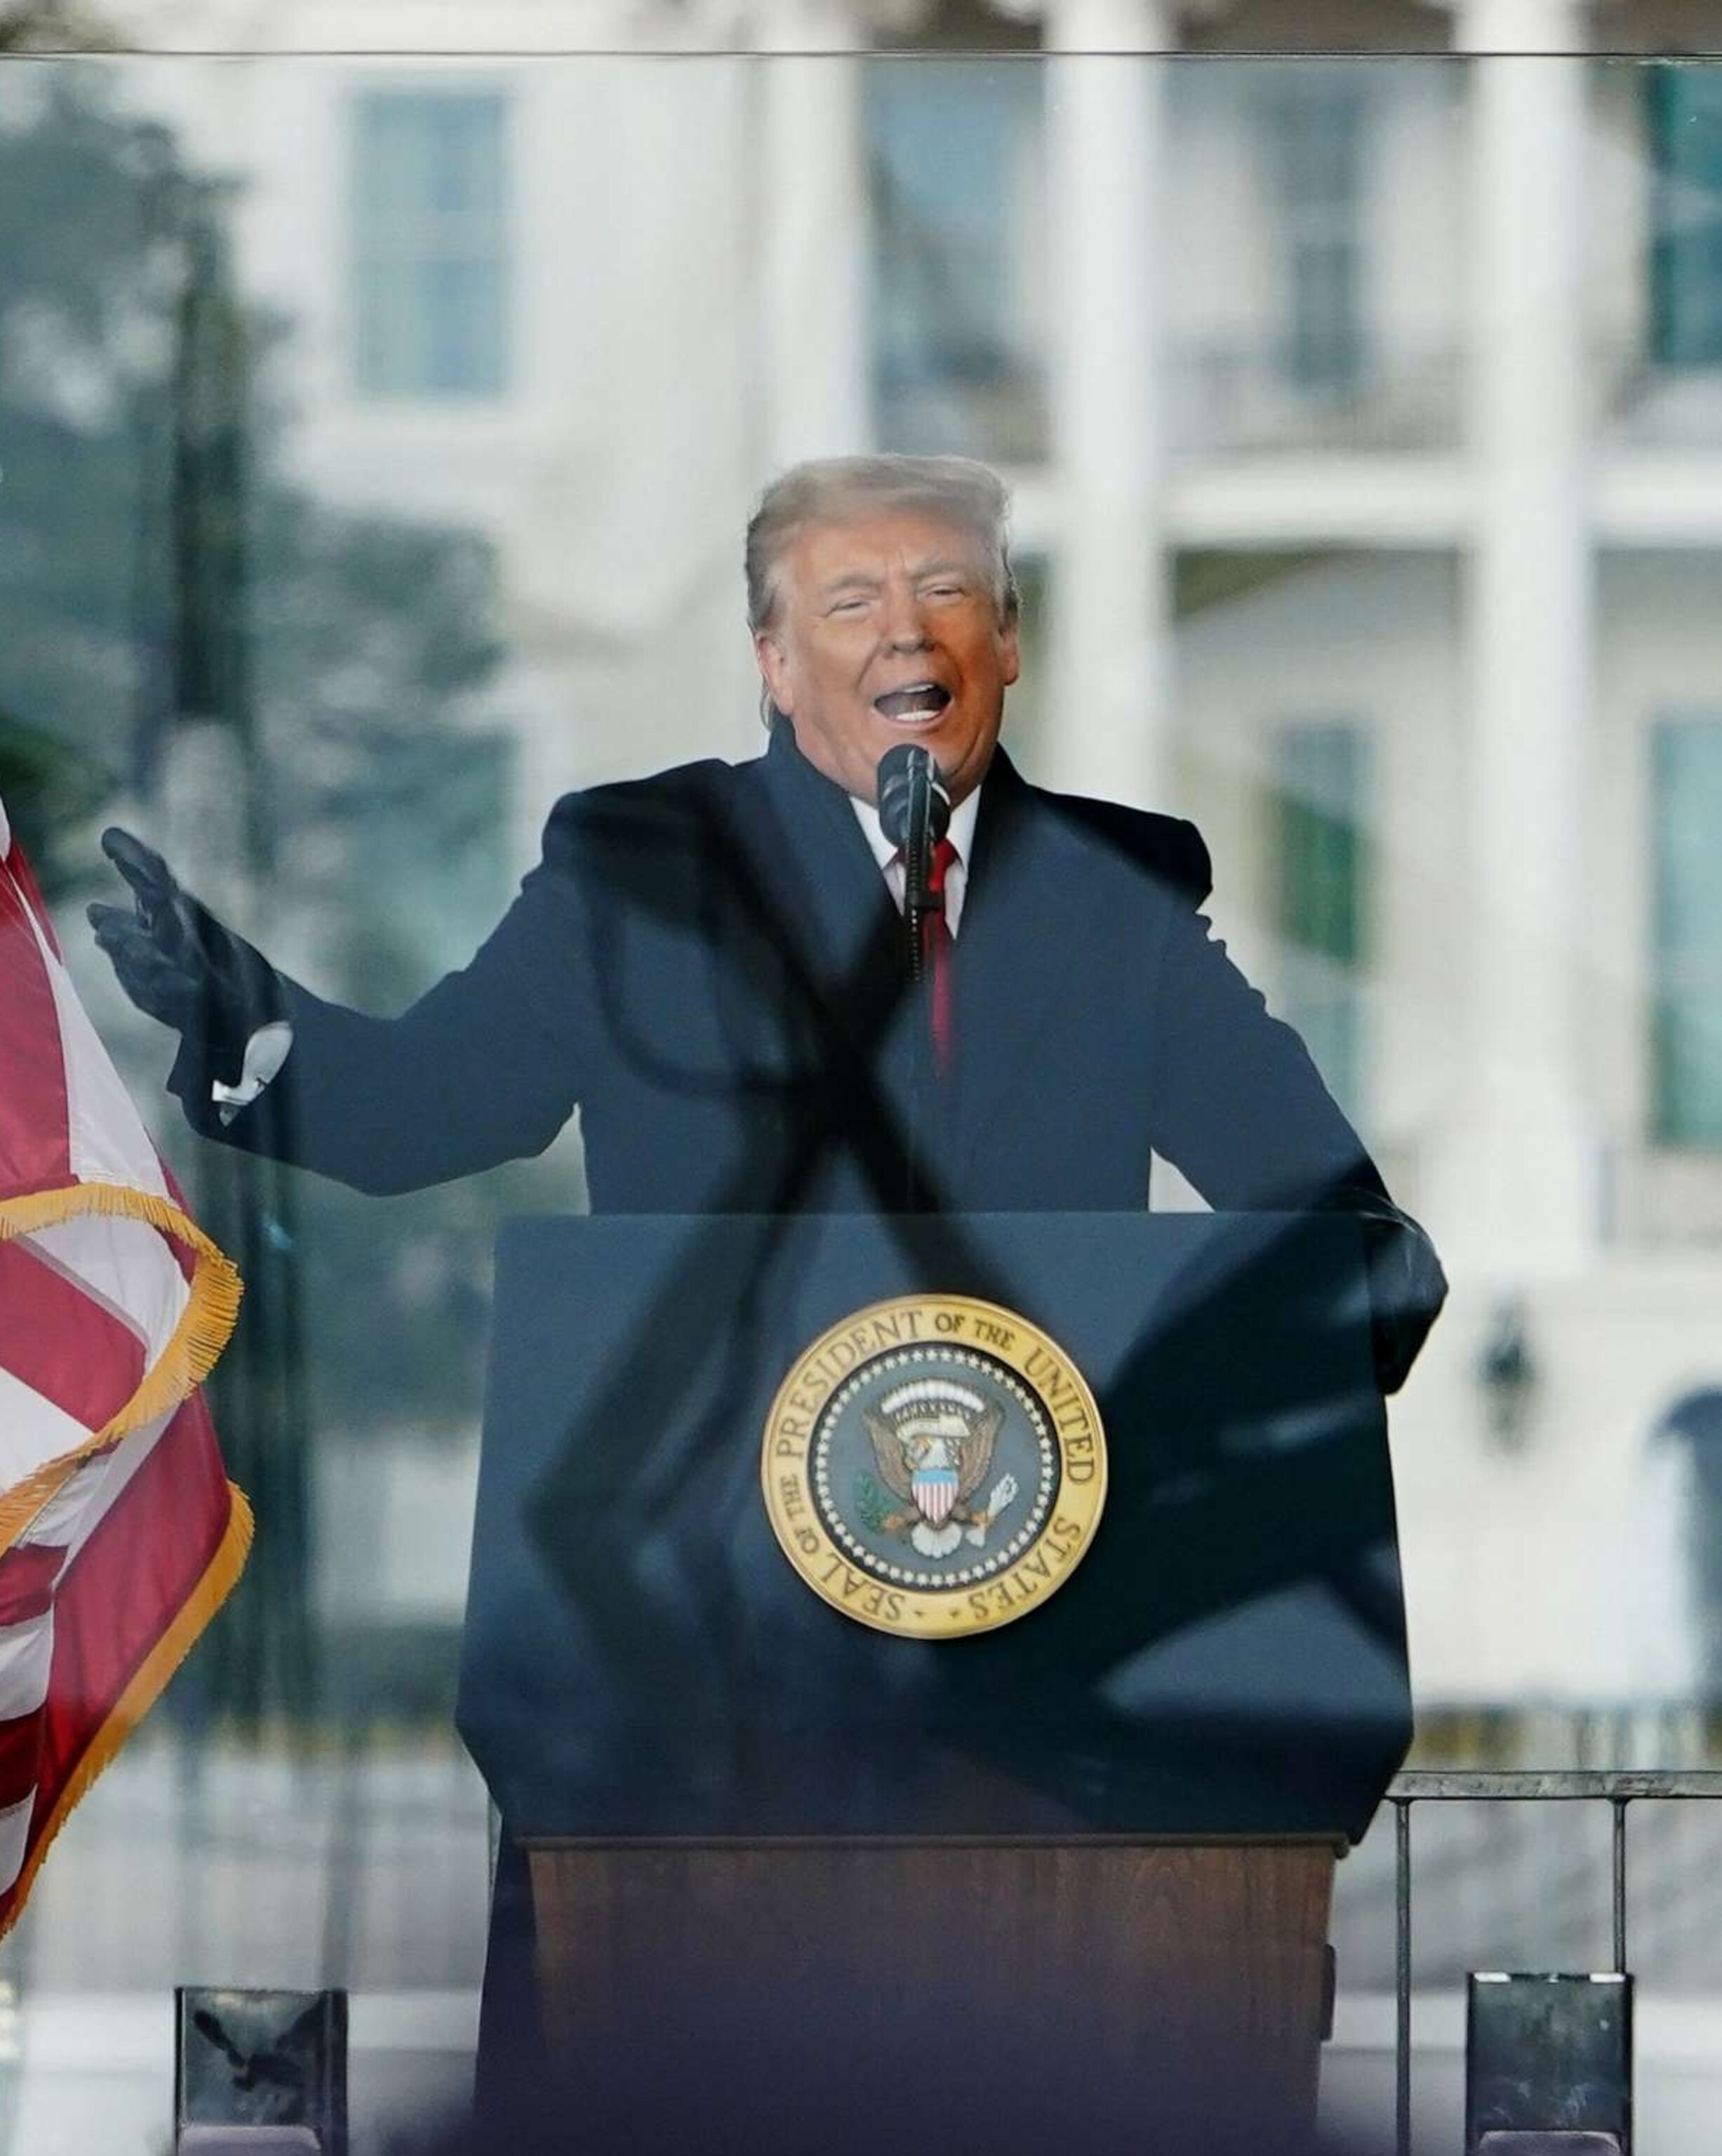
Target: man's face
[{"x": 886, "y": 630}]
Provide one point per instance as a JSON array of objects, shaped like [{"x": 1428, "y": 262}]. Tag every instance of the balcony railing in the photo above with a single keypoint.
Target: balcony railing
[
  {"x": 996, "y": 411},
  {"x": 1248, "y": 398},
  {"x": 1222, "y": 400}
]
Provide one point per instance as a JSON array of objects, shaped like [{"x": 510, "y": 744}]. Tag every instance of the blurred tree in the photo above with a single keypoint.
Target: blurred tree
[
  {"x": 48, "y": 26},
  {"x": 180, "y": 624}
]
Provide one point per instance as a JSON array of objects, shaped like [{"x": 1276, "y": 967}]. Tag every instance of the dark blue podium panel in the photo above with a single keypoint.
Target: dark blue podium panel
[{"x": 641, "y": 1659}]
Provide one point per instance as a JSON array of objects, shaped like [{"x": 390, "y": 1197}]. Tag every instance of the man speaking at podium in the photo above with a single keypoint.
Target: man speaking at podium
[
  {"x": 872, "y": 970},
  {"x": 712, "y": 962}
]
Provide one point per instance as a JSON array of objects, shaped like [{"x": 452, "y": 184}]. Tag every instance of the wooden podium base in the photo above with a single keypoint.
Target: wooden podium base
[{"x": 821, "y": 1995}]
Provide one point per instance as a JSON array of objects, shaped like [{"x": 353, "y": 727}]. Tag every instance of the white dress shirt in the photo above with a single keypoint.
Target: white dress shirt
[
  {"x": 265, "y": 1052},
  {"x": 961, "y": 835}
]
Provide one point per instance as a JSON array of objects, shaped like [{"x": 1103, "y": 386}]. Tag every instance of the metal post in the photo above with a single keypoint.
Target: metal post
[
  {"x": 1401, "y": 2047},
  {"x": 1618, "y": 1807}
]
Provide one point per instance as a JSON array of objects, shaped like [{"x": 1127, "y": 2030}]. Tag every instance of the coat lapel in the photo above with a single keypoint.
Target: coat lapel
[
  {"x": 811, "y": 854},
  {"x": 807, "y": 857},
  {"x": 1026, "y": 943}
]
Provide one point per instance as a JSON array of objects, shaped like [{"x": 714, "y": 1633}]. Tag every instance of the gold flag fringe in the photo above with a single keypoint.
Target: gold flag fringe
[
  {"x": 145, "y": 1688},
  {"x": 204, "y": 1327}
]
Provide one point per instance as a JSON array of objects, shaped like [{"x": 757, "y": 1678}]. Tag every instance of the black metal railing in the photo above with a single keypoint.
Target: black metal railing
[{"x": 1618, "y": 1789}]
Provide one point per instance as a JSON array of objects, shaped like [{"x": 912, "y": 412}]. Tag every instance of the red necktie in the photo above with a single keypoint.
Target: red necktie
[{"x": 935, "y": 949}]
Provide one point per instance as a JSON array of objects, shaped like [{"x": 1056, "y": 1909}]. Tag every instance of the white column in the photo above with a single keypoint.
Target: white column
[
  {"x": 1108, "y": 682},
  {"x": 811, "y": 208},
  {"x": 1523, "y": 1156}
]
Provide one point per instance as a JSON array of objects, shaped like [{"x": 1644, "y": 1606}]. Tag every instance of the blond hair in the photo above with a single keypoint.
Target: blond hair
[{"x": 826, "y": 489}]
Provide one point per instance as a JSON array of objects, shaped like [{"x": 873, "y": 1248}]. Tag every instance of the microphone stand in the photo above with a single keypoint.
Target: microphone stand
[
  {"x": 918, "y": 899},
  {"x": 911, "y": 801}
]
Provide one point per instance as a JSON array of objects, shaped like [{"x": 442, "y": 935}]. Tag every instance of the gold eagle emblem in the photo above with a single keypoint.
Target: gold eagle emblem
[
  {"x": 933, "y": 1440},
  {"x": 933, "y": 1465}
]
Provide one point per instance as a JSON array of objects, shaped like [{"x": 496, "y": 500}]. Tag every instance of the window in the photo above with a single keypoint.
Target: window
[
  {"x": 1685, "y": 127},
  {"x": 956, "y": 183},
  {"x": 1321, "y": 896},
  {"x": 1686, "y": 1031},
  {"x": 430, "y": 268},
  {"x": 1312, "y": 131}
]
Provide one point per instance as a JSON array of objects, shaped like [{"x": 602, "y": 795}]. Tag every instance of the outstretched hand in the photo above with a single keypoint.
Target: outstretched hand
[
  {"x": 177, "y": 962},
  {"x": 152, "y": 944}
]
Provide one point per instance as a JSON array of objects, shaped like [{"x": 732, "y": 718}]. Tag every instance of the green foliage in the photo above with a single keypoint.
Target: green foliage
[
  {"x": 48, "y": 787},
  {"x": 46, "y": 26},
  {"x": 73, "y": 296},
  {"x": 159, "y": 566},
  {"x": 155, "y": 561}
]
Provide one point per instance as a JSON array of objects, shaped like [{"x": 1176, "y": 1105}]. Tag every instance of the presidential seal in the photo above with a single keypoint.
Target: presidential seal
[{"x": 934, "y": 1465}]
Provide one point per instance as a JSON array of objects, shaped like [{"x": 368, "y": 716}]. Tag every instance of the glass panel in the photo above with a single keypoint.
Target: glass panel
[{"x": 292, "y": 588}]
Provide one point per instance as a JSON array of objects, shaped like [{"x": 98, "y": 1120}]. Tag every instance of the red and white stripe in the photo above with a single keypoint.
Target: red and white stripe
[{"x": 117, "y": 1524}]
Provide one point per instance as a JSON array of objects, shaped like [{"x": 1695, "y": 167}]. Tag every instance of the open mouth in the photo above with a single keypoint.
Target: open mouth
[{"x": 918, "y": 703}]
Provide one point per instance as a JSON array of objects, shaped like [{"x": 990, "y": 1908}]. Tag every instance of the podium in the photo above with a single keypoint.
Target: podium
[{"x": 1069, "y": 1872}]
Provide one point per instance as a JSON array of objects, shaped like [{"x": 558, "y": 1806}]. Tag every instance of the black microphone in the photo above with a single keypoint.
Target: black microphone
[
  {"x": 911, "y": 793},
  {"x": 914, "y": 814}
]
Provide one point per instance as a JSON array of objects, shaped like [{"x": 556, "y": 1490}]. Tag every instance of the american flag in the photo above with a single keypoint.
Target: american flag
[{"x": 119, "y": 1532}]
